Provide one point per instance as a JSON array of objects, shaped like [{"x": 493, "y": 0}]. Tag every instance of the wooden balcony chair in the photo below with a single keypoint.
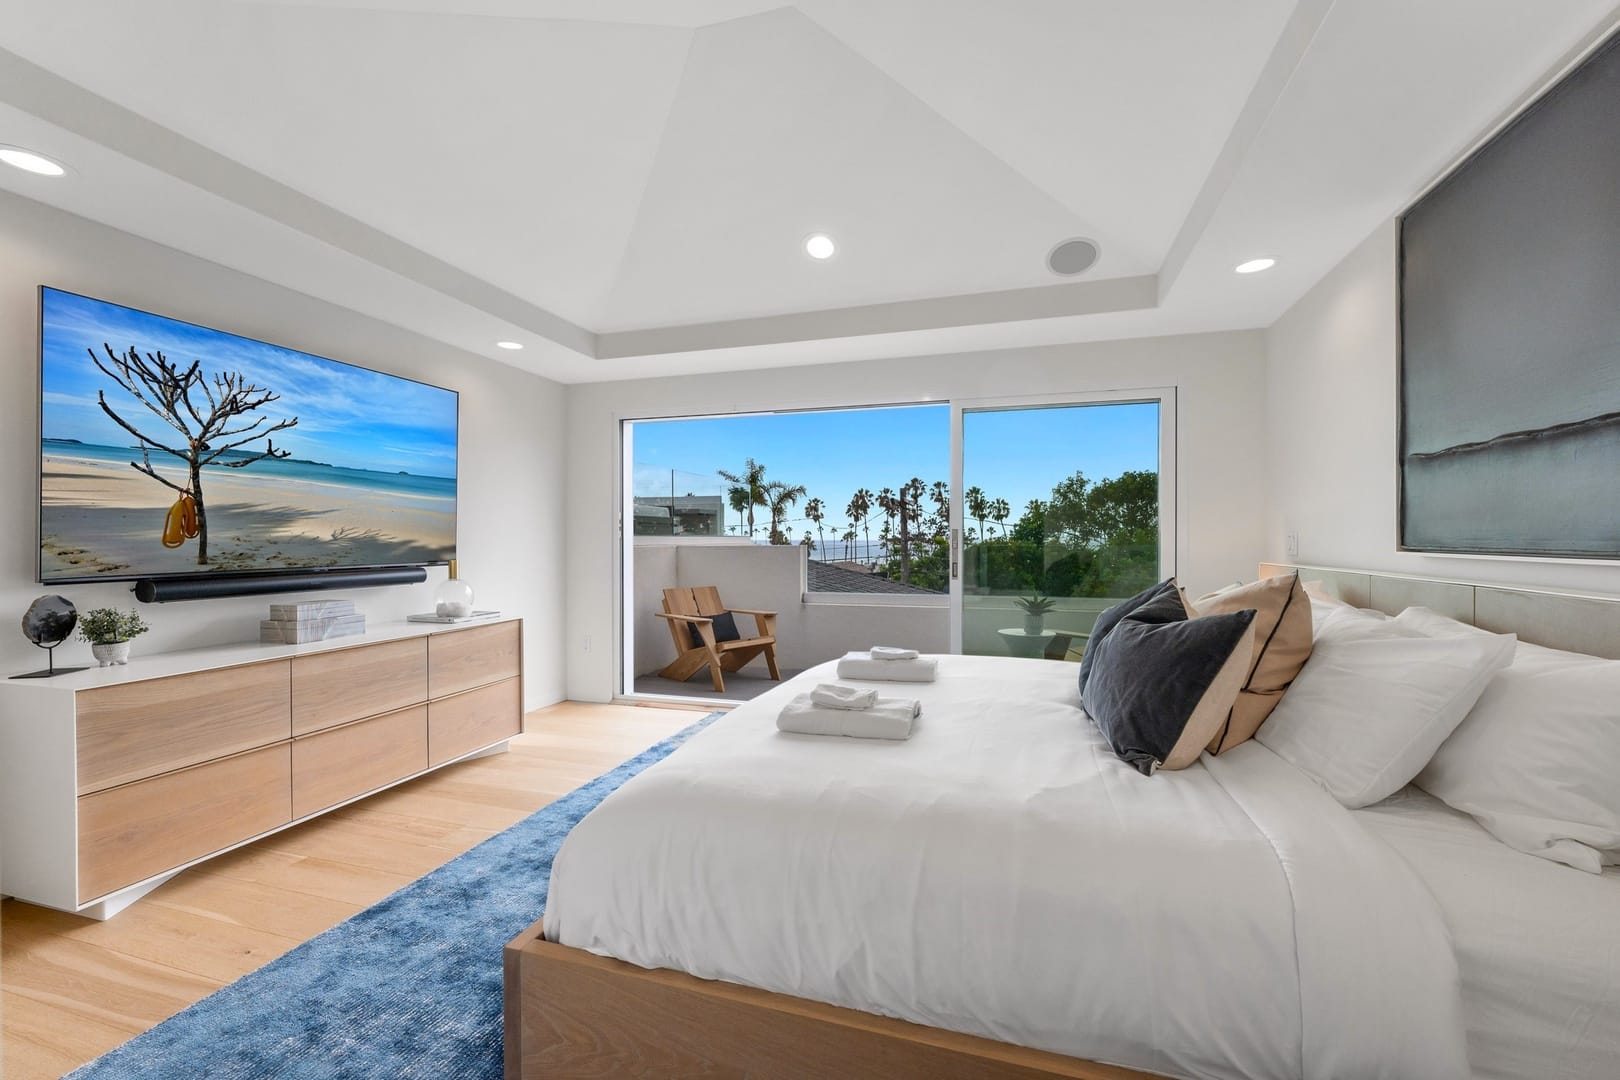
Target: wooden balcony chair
[{"x": 690, "y": 615}]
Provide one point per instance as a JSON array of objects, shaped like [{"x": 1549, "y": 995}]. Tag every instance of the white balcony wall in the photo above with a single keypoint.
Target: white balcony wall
[{"x": 773, "y": 579}]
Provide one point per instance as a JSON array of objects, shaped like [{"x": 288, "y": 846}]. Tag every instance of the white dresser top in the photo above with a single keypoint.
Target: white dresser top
[{"x": 162, "y": 665}]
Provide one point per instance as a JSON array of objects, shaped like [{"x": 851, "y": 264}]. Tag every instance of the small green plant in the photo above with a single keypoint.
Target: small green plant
[
  {"x": 108, "y": 626},
  {"x": 1036, "y": 605}
]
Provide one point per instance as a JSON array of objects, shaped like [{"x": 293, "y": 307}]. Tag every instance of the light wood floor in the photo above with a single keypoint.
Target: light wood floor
[{"x": 73, "y": 989}]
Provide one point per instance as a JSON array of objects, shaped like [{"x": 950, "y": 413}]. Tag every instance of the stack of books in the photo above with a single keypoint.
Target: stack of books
[{"x": 311, "y": 620}]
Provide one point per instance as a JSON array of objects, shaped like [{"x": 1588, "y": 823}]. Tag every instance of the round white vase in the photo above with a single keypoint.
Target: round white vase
[
  {"x": 113, "y": 652},
  {"x": 453, "y": 599}
]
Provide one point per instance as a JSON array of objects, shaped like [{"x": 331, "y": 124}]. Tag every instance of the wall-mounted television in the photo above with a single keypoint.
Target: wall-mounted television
[{"x": 171, "y": 450}]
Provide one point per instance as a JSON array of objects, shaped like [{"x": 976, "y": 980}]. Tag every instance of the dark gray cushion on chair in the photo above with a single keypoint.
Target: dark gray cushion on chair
[
  {"x": 725, "y": 629},
  {"x": 1110, "y": 619},
  {"x": 1162, "y": 684}
]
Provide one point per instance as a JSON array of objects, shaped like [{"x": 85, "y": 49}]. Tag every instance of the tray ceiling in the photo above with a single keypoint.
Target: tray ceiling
[{"x": 626, "y": 185}]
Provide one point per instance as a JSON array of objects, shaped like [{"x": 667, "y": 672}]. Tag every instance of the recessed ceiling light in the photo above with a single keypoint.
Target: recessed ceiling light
[
  {"x": 28, "y": 161},
  {"x": 820, "y": 246},
  {"x": 509, "y": 344},
  {"x": 1254, "y": 266}
]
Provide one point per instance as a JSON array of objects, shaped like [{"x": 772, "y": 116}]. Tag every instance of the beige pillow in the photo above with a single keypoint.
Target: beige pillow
[{"x": 1282, "y": 644}]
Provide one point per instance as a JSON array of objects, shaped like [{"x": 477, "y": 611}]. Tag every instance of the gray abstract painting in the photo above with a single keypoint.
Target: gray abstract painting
[{"x": 1510, "y": 336}]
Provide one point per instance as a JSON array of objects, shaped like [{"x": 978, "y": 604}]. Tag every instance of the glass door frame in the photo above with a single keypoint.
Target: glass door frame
[{"x": 1169, "y": 526}]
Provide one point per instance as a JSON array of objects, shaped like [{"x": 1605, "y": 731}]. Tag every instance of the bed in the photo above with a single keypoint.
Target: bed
[
  {"x": 1000, "y": 896},
  {"x": 1536, "y": 943}
]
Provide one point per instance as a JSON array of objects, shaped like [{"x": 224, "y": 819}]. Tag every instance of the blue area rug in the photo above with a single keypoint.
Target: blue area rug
[{"x": 410, "y": 987}]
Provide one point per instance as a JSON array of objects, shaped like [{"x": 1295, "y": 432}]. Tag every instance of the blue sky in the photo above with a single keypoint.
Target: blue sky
[
  {"x": 347, "y": 416},
  {"x": 1015, "y": 455}
]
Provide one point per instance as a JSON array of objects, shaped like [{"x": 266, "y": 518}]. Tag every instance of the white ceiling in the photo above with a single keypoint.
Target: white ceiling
[{"x": 625, "y": 185}]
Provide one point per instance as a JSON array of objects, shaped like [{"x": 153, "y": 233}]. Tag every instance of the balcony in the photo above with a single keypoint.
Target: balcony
[{"x": 822, "y": 612}]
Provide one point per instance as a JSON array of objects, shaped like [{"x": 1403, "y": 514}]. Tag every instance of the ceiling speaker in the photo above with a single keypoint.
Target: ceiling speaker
[{"x": 1073, "y": 256}]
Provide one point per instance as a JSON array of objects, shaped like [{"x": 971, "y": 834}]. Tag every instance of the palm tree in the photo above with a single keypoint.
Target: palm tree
[
  {"x": 815, "y": 512},
  {"x": 977, "y": 506},
  {"x": 808, "y": 541},
  {"x": 747, "y": 490},
  {"x": 860, "y": 505},
  {"x": 999, "y": 511},
  {"x": 737, "y": 498},
  {"x": 886, "y": 502},
  {"x": 910, "y": 510},
  {"x": 849, "y": 543},
  {"x": 940, "y": 492},
  {"x": 780, "y": 498}
]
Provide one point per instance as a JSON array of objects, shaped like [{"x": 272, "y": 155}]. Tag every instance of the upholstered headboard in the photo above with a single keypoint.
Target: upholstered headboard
[{"x": 1588, "y": 624}]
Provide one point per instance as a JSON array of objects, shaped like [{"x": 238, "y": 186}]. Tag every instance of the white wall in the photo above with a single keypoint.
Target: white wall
[
  {"x": 1330, "y": 424},
  {"x": 511, "y": 484},
  {"x": 1220, "y": 408}
]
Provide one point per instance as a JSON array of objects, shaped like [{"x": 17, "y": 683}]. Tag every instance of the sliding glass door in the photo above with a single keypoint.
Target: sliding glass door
[{"x": 1066, "y": 505}]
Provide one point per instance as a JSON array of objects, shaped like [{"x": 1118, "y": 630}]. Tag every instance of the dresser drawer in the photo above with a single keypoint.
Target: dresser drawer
[
  {"x": 140, "y": 729},
  {"x": 338, "y": 764},
  {"x": 462, "y": 659},
  {"x": 335, "y": 687},
  {"x": 129, "y": 833},
  {"x": 470, "y": 721}
]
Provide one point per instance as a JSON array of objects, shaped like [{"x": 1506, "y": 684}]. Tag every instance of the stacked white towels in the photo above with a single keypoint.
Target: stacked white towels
[
  {"x": 879, "y": 718},
  {"x": 870, "y": 665},
  {"x": 836, "y": 696}
]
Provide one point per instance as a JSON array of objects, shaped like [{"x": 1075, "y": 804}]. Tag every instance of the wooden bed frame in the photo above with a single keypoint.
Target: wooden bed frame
[{"x": 570, "y": 1013}]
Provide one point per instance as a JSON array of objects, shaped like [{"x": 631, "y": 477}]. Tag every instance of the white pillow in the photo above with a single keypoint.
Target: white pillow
[
  {"x": 1537, "y": 761},
  {"x": 1341, "y": 621},
  {"x": 1375, "y": 702}
]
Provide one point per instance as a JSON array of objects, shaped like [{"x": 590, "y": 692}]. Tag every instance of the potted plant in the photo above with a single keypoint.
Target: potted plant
[
  {"x": 1035, "y": 609},
  {"x": 109, "y": 631}
]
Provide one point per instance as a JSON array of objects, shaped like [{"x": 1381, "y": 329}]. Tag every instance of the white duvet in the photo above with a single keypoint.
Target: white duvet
[{"x": 1001, "y": 873}]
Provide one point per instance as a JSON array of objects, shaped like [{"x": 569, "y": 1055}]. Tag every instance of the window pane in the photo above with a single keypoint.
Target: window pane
[
  {"x": 864, "y": 491},
  {"x": 1061, "y": 520}
]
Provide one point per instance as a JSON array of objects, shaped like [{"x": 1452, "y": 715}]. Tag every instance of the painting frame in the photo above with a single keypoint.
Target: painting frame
[{"x": 1532, "y": 437}]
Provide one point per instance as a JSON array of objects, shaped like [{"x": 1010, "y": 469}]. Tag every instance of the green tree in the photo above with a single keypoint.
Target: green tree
[
  {"x": 816, "y": 512},
  {"x": 747, "y": 490},
  {"x": 999, "y": 512},
  {"x": 859, "y": 511},
  {"x": 940, "y": 492},
  {"x": 976, "y": 505},
  {"x": 779, "y": 499}
]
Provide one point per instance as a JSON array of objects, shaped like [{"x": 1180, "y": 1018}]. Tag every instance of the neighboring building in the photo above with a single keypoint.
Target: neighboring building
[{"x": 681, "y": 515}]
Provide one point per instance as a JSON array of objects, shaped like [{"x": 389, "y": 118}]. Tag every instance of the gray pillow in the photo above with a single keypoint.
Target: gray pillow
[
  {"x": 1162, "y": 685},
  {"x": 1110, "y": 618}
]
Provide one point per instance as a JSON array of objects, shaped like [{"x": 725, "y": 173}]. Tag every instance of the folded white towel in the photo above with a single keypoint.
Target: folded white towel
[
  {"x": 889, "y": 718},
  {"x": 891, "y": 652},
  {"x": 836, "y": 696},
  {"x": 860, "y": 665}
]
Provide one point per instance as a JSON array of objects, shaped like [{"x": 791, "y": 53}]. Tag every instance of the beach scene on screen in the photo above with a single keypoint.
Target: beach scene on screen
[{"x": 208, "y": 452}]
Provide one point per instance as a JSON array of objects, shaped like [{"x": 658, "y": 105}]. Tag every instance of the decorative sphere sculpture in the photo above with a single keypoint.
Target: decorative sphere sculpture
[{"x": 49, "y": 620}]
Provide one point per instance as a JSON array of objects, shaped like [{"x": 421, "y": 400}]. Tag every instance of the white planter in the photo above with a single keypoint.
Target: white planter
[
  {"x": 1033, "y": 624},
  {"x": 114, "y": 652}
]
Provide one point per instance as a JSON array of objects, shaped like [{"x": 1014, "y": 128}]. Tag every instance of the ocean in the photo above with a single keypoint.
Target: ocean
[{"x": 282, "y": 468}]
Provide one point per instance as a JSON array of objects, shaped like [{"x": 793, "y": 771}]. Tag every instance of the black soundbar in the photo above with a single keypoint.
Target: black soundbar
[{"x": 206, "y": 586}]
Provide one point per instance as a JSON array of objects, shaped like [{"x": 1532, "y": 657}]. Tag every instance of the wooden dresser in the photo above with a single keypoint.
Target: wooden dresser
[{"x": 114, "y": 779}]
